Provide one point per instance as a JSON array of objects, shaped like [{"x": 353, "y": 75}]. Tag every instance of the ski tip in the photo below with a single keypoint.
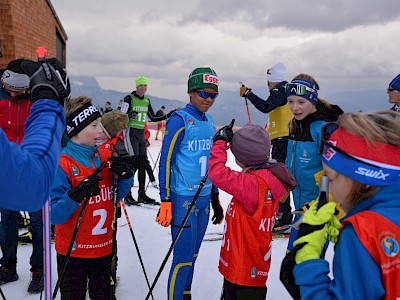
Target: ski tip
[{"x": 41, "y": 52}]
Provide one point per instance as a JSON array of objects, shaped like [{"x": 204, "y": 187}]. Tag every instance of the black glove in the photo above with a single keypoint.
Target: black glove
[
  {"x": 122, "y": 166},
  {"x": 225, "y": 133},
  {"x": 132, "y": 114},
  {"x": 49, "y": 80},
  {"x": 218, "y": 216},
  {"x": 86, "y": 188}
]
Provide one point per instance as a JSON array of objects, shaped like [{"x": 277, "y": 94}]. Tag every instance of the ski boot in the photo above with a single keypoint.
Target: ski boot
[
  {"x": 8, "y": 274},
  {"x": 129, "y": 200},
  {"x": 37, "y": 283},
  {"x": 143, "y": 198}
]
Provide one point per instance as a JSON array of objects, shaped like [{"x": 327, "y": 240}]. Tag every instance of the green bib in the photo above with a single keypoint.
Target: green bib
[{"x": 140, "y": 106}]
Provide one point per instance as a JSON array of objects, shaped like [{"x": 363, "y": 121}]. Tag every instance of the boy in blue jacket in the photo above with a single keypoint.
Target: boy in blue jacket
[
  {"x": 77, "y": 181},
  {"x": 183, "y": 164}
]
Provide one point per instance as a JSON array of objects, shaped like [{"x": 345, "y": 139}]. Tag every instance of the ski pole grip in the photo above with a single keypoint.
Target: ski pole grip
[{"x": 323, "y": 191}]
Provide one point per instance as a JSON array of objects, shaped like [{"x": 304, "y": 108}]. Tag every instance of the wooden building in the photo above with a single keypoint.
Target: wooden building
[{"x": 26, "y": 25}]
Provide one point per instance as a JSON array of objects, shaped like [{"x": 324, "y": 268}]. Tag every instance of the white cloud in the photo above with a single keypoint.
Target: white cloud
[{"x": 344, "y": 45}]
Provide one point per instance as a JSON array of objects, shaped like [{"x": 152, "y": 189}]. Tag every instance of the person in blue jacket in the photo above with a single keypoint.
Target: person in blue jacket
[
  {"x": 310, "y": 113},
  {"x": 360, "y": 154},
  {"x": 183, "y": 164},
  {"x": 29, "y": 168}
]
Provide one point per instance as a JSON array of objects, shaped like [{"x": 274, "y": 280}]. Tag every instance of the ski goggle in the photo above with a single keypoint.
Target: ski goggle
[
  {"x": 391, "y": 89},
  {"x": 298, "y": 89},
  {"x": 205, "y": 95}
]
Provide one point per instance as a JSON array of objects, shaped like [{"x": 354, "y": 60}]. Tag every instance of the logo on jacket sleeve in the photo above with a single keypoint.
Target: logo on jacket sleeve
[
  {"x": 253, "y": 272},
  {"x": 75, "y": 170},
  {"x": 390, "y": 246}
]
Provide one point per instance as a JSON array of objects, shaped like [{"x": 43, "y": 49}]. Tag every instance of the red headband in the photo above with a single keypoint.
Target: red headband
[{"x": 375, "y": 152}]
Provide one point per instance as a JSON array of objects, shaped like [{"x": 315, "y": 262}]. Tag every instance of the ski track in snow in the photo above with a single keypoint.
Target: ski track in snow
[{"x": 154, "y": 242}]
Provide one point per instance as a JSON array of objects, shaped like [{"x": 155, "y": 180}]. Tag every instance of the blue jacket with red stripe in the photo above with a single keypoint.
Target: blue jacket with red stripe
[{"x": 355, "y": 273}]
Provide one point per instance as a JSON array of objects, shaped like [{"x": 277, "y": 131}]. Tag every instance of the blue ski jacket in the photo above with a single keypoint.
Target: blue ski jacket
[
  {"x": 62, "y": 206},
  {"x": 171, "y": 145},
  {"x": 27, "y": 170},
  {"x": 355, "y": 273},
  {"x": 302, "y": 159}
]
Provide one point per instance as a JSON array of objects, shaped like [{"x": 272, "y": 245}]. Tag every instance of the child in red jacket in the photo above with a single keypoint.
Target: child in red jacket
[{"x": 245, "y": 256}]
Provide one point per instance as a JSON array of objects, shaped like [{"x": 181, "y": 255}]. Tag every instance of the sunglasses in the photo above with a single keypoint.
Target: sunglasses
[
  {"x": 298, "y": 89},
  {"x": 205, "y": 95},
  {"x": 326, "y": 132},
  {"x": 391, "y": 89}
]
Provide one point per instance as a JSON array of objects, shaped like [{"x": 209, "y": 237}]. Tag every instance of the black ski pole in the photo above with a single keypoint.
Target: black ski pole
[
  {"x": 202, "y": 183},
  {"x": 152, "y": 160},
  {"x": 113, "y": 275},
  {"x": 158, "y": 157},
  {"x": 2, "y": 294},
  {"x": 136, "y": 244},
  {"x": 74, "y": 234}
]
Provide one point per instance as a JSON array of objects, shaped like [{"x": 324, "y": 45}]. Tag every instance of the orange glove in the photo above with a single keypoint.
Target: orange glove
[
  {"x": 244, "y": 90},
  {"x": 164, "y": 215}
]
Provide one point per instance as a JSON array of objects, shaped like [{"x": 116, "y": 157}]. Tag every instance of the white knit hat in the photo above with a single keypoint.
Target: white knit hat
[{"x": 277, "y": 73}]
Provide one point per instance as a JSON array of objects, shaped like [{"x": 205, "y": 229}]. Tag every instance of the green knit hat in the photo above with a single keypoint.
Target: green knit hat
[
  {"x": 203, "y": 78},
  {"x": 141, "y": 80}
]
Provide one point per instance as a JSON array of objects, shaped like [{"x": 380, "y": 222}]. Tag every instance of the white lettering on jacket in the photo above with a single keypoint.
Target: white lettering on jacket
[{"x": 199, "y": 145}]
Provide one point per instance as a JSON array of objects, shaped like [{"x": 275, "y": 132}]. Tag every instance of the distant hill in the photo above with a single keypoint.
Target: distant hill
[{"x": 229, "y": 105}]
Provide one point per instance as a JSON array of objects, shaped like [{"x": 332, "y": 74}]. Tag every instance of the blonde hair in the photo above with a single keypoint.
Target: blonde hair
[
  {"x": 373, "y": 127},
  {"x": 293, "y": 126},
  {"x": 75, "y": 103}
]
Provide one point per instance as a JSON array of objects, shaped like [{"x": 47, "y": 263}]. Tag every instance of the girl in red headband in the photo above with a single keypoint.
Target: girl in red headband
[{"x": 361, "y": 157}]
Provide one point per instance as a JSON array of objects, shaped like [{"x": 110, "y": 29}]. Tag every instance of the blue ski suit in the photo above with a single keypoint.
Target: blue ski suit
[{"x": 183, "y": 163}]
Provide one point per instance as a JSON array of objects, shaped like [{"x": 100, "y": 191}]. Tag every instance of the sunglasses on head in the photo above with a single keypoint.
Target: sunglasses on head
[
  {"x": 205, "y": 95},
  {"x": 298, "y": 89},
  {"x": 391, "y": 89},
  {"x": 326, "y": 132}
]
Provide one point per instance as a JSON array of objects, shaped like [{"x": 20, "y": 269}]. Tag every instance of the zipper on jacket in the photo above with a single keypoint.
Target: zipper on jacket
[
  {"x": 17, "y": 127},
  {"x": 9, "y": 112}
]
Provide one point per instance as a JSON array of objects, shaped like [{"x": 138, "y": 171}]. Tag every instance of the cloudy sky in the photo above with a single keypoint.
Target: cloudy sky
[{"x": 346, "y": 45}]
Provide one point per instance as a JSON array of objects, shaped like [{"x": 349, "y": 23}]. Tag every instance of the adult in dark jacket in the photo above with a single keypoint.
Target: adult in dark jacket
[{"x": 279, "y": 116}]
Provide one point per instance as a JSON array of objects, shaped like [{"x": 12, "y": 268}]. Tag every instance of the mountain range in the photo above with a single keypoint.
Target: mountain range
[{"x": 229, "y": 105}]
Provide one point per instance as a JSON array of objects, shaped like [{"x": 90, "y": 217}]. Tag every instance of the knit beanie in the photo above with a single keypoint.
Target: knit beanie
[
  {"x": 395, "y": 83},
  {"x": 251, "y": 145},
  {"x": 141, "y": 80},
  {"x": 114, "y": 122},
  {"x": 203, "y": 78},
  {"x": 277, "y": 73}
]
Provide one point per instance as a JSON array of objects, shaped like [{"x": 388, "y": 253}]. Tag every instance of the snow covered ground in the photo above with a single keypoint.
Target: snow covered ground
[{"x": 154, "y": 242}]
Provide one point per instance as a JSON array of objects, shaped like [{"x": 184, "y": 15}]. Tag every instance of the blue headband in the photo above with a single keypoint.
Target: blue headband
[{"x": 310, "y": 93}]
